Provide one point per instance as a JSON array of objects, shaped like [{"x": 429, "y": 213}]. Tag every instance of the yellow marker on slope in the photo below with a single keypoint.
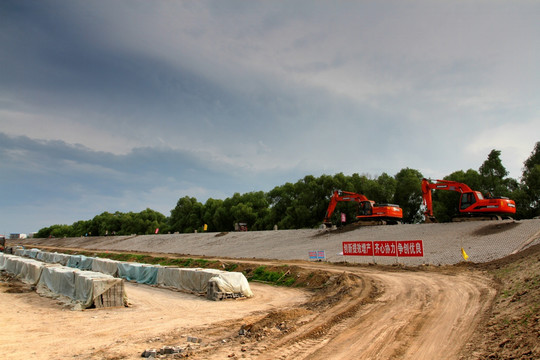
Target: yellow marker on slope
[{"x": 464, "y": 254}]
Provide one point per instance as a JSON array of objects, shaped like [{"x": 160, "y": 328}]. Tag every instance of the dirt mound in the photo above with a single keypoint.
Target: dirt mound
[
  {"x": 513, "y": 328},
  {"x": 283, "y": 320}
]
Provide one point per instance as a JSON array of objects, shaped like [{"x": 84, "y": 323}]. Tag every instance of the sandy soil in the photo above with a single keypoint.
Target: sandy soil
[
  {"x": 363, "y": 313},
  {"x": 346, "y": 311},
  {"x": 43, "y": 328},
  {"x": 379, "y": 315}
]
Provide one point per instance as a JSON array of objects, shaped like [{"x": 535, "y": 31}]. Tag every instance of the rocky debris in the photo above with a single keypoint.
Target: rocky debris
[
  {"x": 165, "y": 352},
  {"x": 194, "y": 339},
  {"x": 245, "y": 330}
]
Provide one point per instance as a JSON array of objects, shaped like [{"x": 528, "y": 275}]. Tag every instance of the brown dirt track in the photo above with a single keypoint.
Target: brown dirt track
[{"x": 465, "y": 311}]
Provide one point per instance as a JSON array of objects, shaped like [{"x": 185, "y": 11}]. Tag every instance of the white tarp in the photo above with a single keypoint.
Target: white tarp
[
  {"x": 29, "y": 270},
  {"x": 59, "y": 258},
  {"x": 31, "y": 253},
  {"x": 19, "y": 251},
  {"x": 51, "y": 257},
  {"x": 233, "y": 282},
  {"x": 84, "y": 287},
  {"x": 40, "y": 255},
  {"x": 12, "y": 265},
  {"x": 47, "y": 257},
  {"x": 3, "y": 260},
  {"x": 193, "y": 280},
  {"x": 106, "y": 266},
  {"x": 89, "y": 285},
  {"x": 59, "y": 280},
  {"x": 196, "y": 280}
]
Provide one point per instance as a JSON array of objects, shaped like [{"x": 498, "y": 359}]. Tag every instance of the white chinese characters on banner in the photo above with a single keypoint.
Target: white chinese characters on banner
[{"x": 402, "y": 248}]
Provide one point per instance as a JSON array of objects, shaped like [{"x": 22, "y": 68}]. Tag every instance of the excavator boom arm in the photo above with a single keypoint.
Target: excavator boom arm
[
  {"x": 427, "y": 186},
  {"x": 338, "y": 196}
]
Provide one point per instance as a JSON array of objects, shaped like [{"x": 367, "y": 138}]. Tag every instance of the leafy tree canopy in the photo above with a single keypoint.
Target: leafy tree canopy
[{"x": 303, "y": 204}]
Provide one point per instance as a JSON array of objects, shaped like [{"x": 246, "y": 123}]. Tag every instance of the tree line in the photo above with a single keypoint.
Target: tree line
[{"x": 303, "y": 204}]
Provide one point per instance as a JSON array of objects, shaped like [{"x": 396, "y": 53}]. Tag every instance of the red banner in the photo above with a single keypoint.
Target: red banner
[
  {"x": 410, "y": 248},
  {"x": 358, "y": 248},
  {"x": 402, "y": 248},
  {"x": 384, "y": 248}
]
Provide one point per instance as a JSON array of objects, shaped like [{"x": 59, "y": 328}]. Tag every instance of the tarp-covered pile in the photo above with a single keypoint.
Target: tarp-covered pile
[
  {"x": 228, "y": 285},
  {"x": 80, "y": 262},
  {"x": 141, "y": 273},
  {"x": 106, "y": 266},
  {"x": 87, "y": 288},
  {"x": 216, "y": 284}
]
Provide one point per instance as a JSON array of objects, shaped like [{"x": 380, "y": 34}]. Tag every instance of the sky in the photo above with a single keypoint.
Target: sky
[{"x": 127, "y": 105}]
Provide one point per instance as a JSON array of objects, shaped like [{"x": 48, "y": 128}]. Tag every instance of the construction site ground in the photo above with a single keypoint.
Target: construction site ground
[{"x": 435, "y": 307}]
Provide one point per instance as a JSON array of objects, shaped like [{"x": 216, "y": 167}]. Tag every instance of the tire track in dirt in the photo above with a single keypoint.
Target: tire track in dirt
[
  {"x": 419, "y": 315},
  {"x": 378, "y": 314}
]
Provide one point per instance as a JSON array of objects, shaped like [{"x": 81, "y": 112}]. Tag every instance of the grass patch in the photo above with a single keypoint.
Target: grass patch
[
  {"x": 283, "y": 278},
  {"x": 283, "y": 275}
]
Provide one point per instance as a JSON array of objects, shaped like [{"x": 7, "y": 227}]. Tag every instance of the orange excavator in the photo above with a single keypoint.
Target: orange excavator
[
  {"x": 472, "y": 204},
  {"x": 368, "y": 212}
]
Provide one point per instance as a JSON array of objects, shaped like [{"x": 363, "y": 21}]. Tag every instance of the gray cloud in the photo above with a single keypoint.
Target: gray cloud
[{"x": 103, "y": 98}]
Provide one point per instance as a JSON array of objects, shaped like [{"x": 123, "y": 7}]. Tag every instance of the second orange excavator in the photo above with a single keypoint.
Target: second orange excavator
[
  {"x": 368, "y": 211},
  {"x": 472, "y": 204}
]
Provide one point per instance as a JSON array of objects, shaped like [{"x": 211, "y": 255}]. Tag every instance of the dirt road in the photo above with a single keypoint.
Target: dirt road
[
  {"x": 382, "y": 315},
  {"x": 35, "y": 327},
  {"x": 362, "y": 313},
  {"x": 350, "y": 312}
]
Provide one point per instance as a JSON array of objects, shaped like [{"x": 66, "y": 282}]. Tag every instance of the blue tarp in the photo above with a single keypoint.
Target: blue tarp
[
  {"x": 80, "y": 262},
  {"x": 141, "y": 273}
]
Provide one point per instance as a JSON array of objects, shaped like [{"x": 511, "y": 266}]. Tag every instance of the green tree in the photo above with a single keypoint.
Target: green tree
[
  {"x": 494, "y": 175},
  {"x": 80, "y": 228},
  {"x": 251, "y": 208},
  {"x": 384, "y": 189},
  {"x": 408, "y": 194},
  {"x": 186, "y": 217},
  {"x": 214, "y": 215},
  {"x": 151, "y": 220},
  {"x": 281, "y": 198},
  {"x": 532, "y": 161},
  {"x": 530, "y": 185}
]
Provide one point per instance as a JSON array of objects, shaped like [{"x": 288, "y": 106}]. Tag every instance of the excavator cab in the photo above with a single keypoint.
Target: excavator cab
[
  {"x": 468, "y": 199},
  {"x": 365, "y": 208}
]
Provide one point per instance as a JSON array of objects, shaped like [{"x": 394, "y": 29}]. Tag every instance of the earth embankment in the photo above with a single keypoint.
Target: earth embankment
[
  {"x": 482, "y": 241},
  {"x": 450, "y": 311}
]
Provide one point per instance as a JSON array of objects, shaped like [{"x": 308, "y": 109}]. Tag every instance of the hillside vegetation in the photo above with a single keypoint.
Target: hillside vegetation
[{"x": 304, "y": 203}]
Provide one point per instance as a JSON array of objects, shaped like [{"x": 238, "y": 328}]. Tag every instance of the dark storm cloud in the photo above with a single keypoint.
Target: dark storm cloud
[
  {"x": 53, "y": 62},
  {"x": 40, "y": 170},
  {"x": 136, "y": 103}
]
